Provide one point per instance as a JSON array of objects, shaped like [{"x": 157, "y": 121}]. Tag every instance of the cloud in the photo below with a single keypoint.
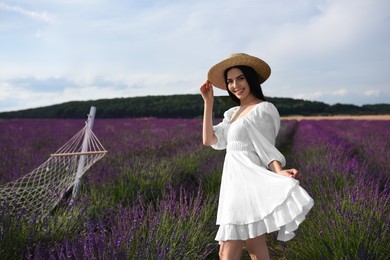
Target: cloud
[
  {"x": 372, "y": 93},
  {"x": 326, "y": 29},
  {"x": 372, "y": 96},
  {"x": 38, "y": 15},
  {"x": 328, "y": 50},
  {"x": 315, "y": 95},
  {"x": 30, "y": 92},
  {"x": 5, "y": 91},
  {"x": 39, "y": 85},
  {"x": 340, "y": 92}
]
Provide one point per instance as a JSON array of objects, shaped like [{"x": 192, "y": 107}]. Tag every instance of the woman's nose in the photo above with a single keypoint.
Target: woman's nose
[{"x": 234, "y": 83}]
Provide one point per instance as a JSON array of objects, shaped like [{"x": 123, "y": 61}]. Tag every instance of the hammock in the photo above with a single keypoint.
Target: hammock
[{"x": 37, "y": 193}]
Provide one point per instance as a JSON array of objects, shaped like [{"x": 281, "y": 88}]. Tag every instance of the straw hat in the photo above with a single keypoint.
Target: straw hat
[{"x": 215, "y": 75}]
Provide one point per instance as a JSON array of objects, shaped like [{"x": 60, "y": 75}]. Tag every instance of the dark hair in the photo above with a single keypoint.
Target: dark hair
[{"x": 253, "y": 81}]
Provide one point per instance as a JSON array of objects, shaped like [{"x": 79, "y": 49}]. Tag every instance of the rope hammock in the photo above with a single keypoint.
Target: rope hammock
[{"x": 38, "y": 192}]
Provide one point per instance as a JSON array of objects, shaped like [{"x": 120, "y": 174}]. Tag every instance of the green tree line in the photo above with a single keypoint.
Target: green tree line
[{"x": 185, "y": 106}]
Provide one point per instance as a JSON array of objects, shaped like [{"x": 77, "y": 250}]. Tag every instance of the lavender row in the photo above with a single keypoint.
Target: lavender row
[
  {"x": 25, "y": 144},
  {"x": 179, "y": 226},
  {"x": 28, "y": 143},
  {"x": 350, "y": 218},
  {"x": 368, "y": 139}
]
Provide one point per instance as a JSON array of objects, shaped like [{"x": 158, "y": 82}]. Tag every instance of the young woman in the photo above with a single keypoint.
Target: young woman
[{"x": 257, "y": 195}]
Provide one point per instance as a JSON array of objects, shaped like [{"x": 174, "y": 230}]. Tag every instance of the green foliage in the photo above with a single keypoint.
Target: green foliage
[
  {"x": 20, "y": 233},
  {"x": 176, "y": 228},
  {"x": 150, "y": 181},
  {"x": 15, "y": 235},
  {"x": 184, "y": 106}
]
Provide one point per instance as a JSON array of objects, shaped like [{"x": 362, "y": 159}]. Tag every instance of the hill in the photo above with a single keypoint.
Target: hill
[{"x": 185, "y": 106}]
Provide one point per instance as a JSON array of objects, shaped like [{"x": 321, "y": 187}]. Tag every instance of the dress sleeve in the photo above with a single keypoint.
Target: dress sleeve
[
  {"x": 263, "y": 126},
  {"x": 219, "y": 131}
]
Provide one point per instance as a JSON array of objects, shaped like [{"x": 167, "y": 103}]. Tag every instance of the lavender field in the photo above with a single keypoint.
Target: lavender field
[{"x": 154, "y": 195}]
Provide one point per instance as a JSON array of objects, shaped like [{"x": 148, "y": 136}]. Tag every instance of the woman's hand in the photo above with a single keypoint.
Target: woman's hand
[
  {"x": 276, "y": 167},
  {"x": 206, "y": 90},
  {"x": 293, "y": 173}
]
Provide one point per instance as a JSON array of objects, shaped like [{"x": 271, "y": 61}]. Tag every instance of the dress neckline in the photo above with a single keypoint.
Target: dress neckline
[{"x": 250, "y": 111}]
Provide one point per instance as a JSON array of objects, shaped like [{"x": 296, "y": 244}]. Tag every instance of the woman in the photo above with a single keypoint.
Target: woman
[{"x": 257, "y": 195}]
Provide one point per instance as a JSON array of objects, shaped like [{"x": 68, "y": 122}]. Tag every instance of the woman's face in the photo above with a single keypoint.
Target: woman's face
[{"x": 237, "y": 84}]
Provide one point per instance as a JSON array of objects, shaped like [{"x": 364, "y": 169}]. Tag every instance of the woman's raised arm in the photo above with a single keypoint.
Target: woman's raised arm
[{"x": 207, "y": 93}]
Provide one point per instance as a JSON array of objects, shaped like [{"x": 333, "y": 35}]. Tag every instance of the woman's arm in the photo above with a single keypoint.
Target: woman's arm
[
  {"x": 207, "y": 93},
  {"x": 276, "y": 167}
]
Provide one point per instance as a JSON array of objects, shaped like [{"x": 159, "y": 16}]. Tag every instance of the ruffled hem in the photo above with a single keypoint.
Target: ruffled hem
[{"x": 285, "y": 219}]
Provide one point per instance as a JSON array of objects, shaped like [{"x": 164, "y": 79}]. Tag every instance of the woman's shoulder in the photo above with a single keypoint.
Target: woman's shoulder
[
  {"x": 264, "y": 108},
  {"x": 228, "y": 113}
]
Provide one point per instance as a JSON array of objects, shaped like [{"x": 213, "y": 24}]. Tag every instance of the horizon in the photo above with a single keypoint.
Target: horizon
[{"x": 93, "y": 100}]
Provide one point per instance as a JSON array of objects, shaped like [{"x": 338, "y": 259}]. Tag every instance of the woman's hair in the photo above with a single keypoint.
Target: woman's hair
[{"x": 252, "y": 79}]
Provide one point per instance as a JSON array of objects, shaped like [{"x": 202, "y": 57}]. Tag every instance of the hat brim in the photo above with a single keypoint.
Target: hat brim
[{"x": 216, "y": 73}]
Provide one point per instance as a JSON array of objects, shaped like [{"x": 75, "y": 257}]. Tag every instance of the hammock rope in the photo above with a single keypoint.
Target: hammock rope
[{"x": 38, "y": 192}]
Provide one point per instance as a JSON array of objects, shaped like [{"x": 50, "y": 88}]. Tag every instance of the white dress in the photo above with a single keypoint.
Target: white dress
[{"x": 254, "y": 200}]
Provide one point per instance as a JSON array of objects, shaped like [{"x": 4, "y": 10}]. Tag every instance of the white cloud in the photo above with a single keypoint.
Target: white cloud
[
  {"x": 314, "y": 95},
  {"x": 5, "y": 90},
  {"x": 38, "y": 15},
  {"x": 129, "y": 48},
  {"x": 340, "y": 92},
  {"x": 372, "y": 93},
  {"x": 336, "y": 26}
]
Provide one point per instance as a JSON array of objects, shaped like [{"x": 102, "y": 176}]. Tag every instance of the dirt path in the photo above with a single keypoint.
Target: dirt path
[{"x": 338, "y": 117}]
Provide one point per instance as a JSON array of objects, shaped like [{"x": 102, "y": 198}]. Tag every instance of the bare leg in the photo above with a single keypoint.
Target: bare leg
[
  {"x": 257, "y": 248},
  {"x": 230, "y": 250}
]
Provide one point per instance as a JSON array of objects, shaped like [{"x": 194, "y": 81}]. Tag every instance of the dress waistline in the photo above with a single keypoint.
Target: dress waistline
[{"x": 240, "y": 146}]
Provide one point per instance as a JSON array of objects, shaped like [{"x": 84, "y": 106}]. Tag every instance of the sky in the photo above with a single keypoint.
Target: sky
[{"x": 55, "y": 51}]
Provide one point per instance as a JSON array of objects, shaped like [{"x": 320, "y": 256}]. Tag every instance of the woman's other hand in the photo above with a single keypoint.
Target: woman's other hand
[{"x": 293, "y": 173}]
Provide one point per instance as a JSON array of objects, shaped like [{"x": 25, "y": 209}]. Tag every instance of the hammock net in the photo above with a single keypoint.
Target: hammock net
[{"x": 38, "y": 192}]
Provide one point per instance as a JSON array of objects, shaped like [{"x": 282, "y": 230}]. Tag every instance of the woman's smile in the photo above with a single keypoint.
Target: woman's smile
[{"x": 238, "y": 91}]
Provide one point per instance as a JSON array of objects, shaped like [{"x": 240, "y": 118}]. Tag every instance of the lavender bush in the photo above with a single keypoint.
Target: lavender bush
[
  {"x": 350, "y": 219},
  {"x": 26, "y": 144},
  {"x": 154, "y": 196}
]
